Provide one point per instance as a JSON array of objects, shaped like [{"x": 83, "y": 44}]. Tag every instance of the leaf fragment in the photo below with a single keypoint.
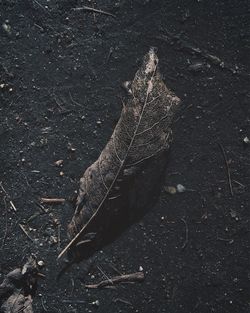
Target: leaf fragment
[{"x": 110, "y": 186}]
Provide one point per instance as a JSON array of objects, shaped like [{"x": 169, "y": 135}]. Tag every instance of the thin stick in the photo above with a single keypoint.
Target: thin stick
[
  {"x": 6, "y": 222},
  {"x": 25, "y": 232},
  {"x": 52, "y": 200},
  {"x": 13, "y": 206},
  {"x": 41, "y": 6},
  {"x": 74, "y": 301},
  {"x": 186, "y": 234},
  {"x": 105, "y": 275},
  {"x": 7, "y": 196},
  {"x": 138, "y": 276},
  {"x": 59, "y": 236},
  {"x": 89, "y": 9},
  {"x": 213, "y": 59},
  {"x": 122, "y": 301},
  {"x": 71, "y": 98},
  {"x": 227, "y": 168}
]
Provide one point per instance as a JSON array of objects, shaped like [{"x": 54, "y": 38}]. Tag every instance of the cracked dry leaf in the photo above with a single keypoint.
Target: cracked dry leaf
[
  {"x": 110, "y": 186},
  {"x": 17, "y": 303},
  {"x": 18, "y": 288}
]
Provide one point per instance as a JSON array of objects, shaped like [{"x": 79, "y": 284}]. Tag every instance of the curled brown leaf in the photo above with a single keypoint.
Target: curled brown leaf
[{"x": 141, "y": 135}]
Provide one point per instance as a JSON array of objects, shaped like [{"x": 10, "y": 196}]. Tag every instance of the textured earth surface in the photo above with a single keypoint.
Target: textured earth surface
[{"x": 61, "y": 72}]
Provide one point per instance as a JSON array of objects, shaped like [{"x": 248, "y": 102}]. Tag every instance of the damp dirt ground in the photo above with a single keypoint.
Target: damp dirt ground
[{"x": 61, "y": 72}]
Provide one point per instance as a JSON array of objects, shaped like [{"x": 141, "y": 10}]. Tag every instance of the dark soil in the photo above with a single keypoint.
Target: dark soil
[{"x": 60, "y": 76}]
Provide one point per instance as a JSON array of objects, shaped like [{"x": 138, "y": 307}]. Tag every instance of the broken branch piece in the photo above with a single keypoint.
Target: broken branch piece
[
  {"x": 134, "y": 277},
  {"x": 52, "y": 200}
]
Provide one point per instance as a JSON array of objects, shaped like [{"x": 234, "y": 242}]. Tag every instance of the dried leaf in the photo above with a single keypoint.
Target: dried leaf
[
  {"x": 142, "y": 134},
  {"x": 17, "y": 303},
  {"x": 18, "y": 287}
]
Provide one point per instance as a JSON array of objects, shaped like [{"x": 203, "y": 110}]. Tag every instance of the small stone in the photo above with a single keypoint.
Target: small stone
[
  {"x": 246, "y": 140},
  {"x": 53, "y": 240},
  {"x": 180, "y": 188},
  {"x": 196, "y": 67},
  {"x": 7, "y": 28},
  {"x": 61, "y": 173},
  {"x": 233, "y": 213},
  {"x": 96, "y": 303},
  {"x": 41, "y": 263},
  {"x": 170, "y": 189},
  {"x": 58, "y": 163},
  {"x": 140, "y": 269},
  {"x": 56, "y": 221},
  {"x": 71, "y": 148}
]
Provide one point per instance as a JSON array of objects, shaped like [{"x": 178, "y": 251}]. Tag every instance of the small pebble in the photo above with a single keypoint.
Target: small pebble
[
  {"x": 96, "y": 303},
  {"x": 41, "y": 263},
  {"x": 246, "y": 140},
  {"x": 58, "y": 162},
  {"x": 180, "y": 188},
  {"x": 170, "y": 189},
  {"x": 7, "y": 28}
]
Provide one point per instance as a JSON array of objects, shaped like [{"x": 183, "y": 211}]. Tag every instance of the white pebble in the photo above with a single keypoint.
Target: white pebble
[{"x": 180, "y": 188}]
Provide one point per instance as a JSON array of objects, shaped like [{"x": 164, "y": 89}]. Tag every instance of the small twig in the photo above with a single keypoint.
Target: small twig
[
  {"x": 13, "y": 206},
  {"x": 186, "y": 234},
  {"x": 138, "y": 276},
  {"x": 59, "y": 236},
  {"x": 52, "y": 200},
  {"x": 41, "y": 6},
  {"x": 240, "y": 184},
  {"x": 3, "y": 189},
  {"x": 74, "y": 301},
  {"x": 115, "y": 269},
  {"x": 105, "y": 275},
  {"x": 227, "y": 168},
  {"x": 73, "y": 286},
  {"x": 38, "y": 26},
  {"x": 91, "y": 68},
  {"x": 25, "y": 232},
  {"x": 213, "y": 59},
  {"x": 6, "y": 222},
  {"x": 7, "y": 196},
  {"x": 111, "y": 50},
  {"x": 225, "y": 239},
  {"x": 93, "y": 10},
  {"x": 41, "y": 207},
  {"x": 43, "y": 305},
  {"x": 122, "y": 301},
  {"x": 83, "y": 242},
  {"x": 71, "y": 98}
]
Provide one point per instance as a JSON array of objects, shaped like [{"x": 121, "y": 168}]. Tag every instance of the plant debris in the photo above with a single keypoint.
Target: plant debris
[
  {"x": 141, "y": 135},
  {"x": 134, "y": 277},
  {"x": 93, "y": 10},
  {"x": 18, "y": 288},
  {"x": 52, "y": 200}
]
